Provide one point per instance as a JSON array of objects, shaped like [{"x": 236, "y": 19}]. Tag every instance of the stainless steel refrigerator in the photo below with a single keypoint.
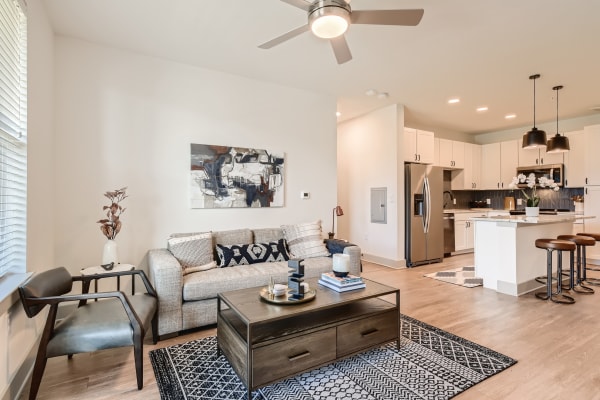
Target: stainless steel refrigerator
[{"x": 424, "y": 232}]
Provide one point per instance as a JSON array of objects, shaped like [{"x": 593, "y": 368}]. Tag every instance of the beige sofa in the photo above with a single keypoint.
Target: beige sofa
[{"x": 189, "y": 300}]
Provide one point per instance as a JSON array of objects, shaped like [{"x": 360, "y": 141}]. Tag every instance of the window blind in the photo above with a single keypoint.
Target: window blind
[{"x": 13, "y": 136}]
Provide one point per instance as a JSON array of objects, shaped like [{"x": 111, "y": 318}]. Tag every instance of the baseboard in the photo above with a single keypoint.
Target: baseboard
[{"x": 386, "y": 262}]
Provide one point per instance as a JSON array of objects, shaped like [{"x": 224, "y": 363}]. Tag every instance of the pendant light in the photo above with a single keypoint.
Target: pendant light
[
  {"x": 558, "y": 143},
  {"x": 534, "y": 138}
]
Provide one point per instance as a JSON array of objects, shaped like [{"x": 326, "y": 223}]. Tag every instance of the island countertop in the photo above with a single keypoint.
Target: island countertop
[{"x": 522, "y": 219}]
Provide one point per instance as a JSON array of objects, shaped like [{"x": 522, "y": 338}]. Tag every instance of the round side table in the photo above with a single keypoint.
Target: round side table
[{"x": 98, "y": 270}]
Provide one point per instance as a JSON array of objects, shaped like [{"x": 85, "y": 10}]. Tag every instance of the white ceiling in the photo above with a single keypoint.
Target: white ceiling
[{"x": 482, "y": 51}]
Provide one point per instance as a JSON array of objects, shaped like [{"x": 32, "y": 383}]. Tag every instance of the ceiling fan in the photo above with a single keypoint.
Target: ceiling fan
[{"x": 329, "y": 19}]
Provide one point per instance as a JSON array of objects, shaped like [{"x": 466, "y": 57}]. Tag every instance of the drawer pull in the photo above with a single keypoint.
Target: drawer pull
[
  {"x": 299, "y": 356},
  {"x": 369, "y": 333}
]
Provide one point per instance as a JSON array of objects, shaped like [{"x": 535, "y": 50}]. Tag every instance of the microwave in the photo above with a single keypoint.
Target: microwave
[{"x": 550, "y": 171}]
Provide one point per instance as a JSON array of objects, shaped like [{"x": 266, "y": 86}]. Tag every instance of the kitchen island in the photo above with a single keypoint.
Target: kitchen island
[{"x": 505, "y": 253}]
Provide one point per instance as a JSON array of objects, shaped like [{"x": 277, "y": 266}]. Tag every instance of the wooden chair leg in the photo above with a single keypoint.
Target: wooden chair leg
[
  {"x": 138, "y": 355},
  {"x": 155, "y": 329},
  {"x": 36, "y": 377}
]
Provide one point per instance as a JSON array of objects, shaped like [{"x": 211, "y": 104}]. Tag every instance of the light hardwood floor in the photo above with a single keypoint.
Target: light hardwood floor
[{"x": 557, "y": 346}]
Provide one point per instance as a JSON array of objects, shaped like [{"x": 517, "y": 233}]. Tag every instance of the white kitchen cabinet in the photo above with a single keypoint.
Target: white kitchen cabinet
[
  {"x": 464, "y": 230},
  {"x": 574, "y": 172},
  {"x": 529, "y": 157},
  {"x": 451, "y": 154},
  {"x": 418, "y": 146},
  {"x": 469, "y": 178},
  {"x": 499, "y": 164},
  {"x": 591, "y": 208},
  {"x": 592, "y": 159}
]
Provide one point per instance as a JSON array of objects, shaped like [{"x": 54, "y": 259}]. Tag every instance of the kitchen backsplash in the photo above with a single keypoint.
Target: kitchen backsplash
[{"x": 548, "y": 198}]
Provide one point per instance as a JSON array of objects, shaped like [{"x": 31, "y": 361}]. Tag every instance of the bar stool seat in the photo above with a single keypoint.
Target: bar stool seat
[
  {"x": 591, "y": 281},
  {"x": 576, "y": 281},
  {"x": 552, "y": 245}
]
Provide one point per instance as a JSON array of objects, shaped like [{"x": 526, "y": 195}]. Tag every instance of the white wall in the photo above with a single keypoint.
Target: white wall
[
  {"x": 370, "y": 156},
  {"x": 124, "y": 119}
]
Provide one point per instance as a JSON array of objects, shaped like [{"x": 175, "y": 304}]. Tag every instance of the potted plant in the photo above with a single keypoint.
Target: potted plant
[{"x": 533, "y": 199}]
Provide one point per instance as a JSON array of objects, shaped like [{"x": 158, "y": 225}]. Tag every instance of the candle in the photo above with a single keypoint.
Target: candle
[{"x": 341, "y": 264}]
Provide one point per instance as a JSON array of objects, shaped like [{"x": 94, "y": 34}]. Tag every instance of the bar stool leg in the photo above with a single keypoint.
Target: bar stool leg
[
  {"x": 589, "y": 281},
  {"x": 558, "y": 297},
  {"x": 548, "y": 294},
  {"x": 581, "y": 265}
]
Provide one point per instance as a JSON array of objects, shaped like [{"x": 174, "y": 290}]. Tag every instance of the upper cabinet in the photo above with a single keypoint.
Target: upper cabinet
[
  {"x": 418, "y": 146},
  {"x": 451, "y": 154},
  {"x": 592, "y": 160},
  {"x": 574, "y": 173},
  {"x": 469, "y": 178},
  {"x": 529, "y": 157},
  {"x": 500, "y": 160}
]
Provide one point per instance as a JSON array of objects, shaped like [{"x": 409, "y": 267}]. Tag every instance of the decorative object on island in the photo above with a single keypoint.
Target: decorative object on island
[
  {"x": 557, "y": 143},
  {"x": 533, "y": 200},
  {"x": 230, "y": 177},
  {"x": 534, "y": 138},
  {"x": 111, "y": 225},
  {"x": 341, "y": 284},
  {"x": 337, "y": 212},
  {"x": 341, "y": 264},
  {"x": 295, "y": 279}
]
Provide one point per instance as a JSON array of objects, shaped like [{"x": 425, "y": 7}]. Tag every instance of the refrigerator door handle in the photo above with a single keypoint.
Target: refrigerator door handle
[{"x": 427, "y": 195}]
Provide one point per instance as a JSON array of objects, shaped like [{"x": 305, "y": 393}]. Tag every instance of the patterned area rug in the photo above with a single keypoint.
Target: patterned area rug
[
  {"x": 431, "y": 364},
  {"x": 463, "y": 276}
]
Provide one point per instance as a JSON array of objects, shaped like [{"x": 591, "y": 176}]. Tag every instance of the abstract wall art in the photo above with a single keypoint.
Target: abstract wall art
[{"x": 230, "y": 177}]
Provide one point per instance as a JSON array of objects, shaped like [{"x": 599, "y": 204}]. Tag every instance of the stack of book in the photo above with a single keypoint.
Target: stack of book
[{"x": 349, "y": 282}]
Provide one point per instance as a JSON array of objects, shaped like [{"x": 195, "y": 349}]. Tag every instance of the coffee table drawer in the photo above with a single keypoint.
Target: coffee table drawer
[
  {"x": 291, "y": 356},
  {"x": 367, "y": 332}
]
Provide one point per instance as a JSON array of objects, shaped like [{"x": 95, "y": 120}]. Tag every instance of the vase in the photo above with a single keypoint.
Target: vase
[
  {"x": 532, "y": 211},
  {"x": 110, "y": 253}
]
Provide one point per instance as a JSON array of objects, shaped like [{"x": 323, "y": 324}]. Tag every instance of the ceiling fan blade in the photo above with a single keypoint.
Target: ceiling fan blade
[
  {"x": 341, "y": 49},
  {"x": 286, "y": 36},
  {"x": 303, "y": 5},
  {"x": 387, "y": 17}
]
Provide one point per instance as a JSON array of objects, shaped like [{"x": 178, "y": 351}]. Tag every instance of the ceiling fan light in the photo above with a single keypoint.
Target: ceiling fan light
[
  {"x": 329, "y": 22},
  {"x": 534, "y": 138},
  {"x": 558, "y": 144}
]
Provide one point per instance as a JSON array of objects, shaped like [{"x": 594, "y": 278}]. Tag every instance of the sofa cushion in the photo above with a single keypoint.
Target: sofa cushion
[
  {"x": 246, "y": 254},
  {"x": 194, "y": 253},
  {"x": 305, "y": 240},
  {"x": 206, "y": 285},
  {"x": 236, "y": 236},
  {"x": 266, "y": 235}
]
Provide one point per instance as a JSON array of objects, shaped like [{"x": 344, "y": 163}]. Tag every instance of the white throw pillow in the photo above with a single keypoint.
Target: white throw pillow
[
  {"x": 194, "y": 253},
  {"x": 305, "y": 240}
]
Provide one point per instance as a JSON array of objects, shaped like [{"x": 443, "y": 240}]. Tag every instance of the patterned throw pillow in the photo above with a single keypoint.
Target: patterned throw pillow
[
  {"x": 194, "y": 252},
  {"x": 305, "y": 240},
  {"x": 246, "y": 254}
]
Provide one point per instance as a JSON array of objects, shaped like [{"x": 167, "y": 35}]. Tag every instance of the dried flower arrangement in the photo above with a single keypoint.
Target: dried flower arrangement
[{"x": 111, "y": 225}]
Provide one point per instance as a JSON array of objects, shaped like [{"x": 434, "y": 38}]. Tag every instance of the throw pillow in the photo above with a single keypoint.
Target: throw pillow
[
  {"x": 305, "y": 240},
  {"x": 246, "y": 254},
  {"x": 192, "y": 252}
]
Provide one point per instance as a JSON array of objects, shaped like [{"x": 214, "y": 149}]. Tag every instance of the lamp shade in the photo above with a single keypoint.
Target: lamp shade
[
  {"x": 329, "y": 21},
  {"x": 534, "y": 138},
  {"x": 558, "y": 144}
]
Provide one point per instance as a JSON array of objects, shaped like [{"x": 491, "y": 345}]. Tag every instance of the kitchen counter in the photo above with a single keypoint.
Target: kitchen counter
[{"x": 505, "y": 253}]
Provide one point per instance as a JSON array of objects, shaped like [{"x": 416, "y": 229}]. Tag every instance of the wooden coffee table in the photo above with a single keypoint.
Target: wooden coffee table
[{"x": 265, "y": 342}]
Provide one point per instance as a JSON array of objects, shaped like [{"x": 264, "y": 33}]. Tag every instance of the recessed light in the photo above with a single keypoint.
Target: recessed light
[
  {"x": 454, "y": 100},
  {"x": 482, "y": 109},
  {"x": 510, "y": 116},
  {"x": 383, "y": 95},
  {"x": 371, "y": 92},
  {"x": 337, "y": 113}
]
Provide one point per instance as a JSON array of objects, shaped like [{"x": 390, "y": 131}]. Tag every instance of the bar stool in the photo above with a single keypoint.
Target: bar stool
[
  {"x": 591, "y": 281},
  {"x": 551, "y": 245},
  {"x": 576, "y": 281}
]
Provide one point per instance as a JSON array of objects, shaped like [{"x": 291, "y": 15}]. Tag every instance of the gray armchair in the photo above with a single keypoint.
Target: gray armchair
[{"x": 116, "y": 321}]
